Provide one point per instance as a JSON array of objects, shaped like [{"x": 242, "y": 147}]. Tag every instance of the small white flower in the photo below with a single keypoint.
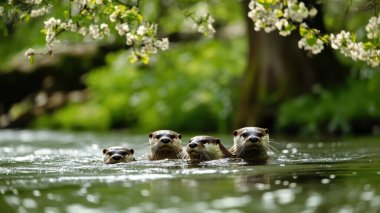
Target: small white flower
[
  {"x": 372, "y": 27},
  {"x": 315, "y": 48},
  {"x": 313, "y": 12},
  {"x": 94, "y": 31},
  {"x": 52, "y": 22},
  {"x": 131, "y": 38},
  {"x": 105, "y": 29},
  {"x": 162, "y": 44},
  {"x": 32, "y": 1},
  {"x": 141, "y": 30},
  {"x": 83, "y": 31},
  {"x": 122, "y": 29},
  {"x": 113, "y": 17}
]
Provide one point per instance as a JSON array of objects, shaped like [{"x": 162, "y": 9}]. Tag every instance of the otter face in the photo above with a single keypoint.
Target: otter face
[
  {"x": 203, "y": 148},
  {"x": 117, "y": 154},
  {"x": 251, "y": 138},
  {"x": 165, "y": 144}
]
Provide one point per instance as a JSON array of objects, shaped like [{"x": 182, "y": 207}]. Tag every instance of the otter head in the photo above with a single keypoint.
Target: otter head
[
  {"x": 250, "y": 140},
  {"x": 165, "y": 144},
  {"x": 117, "y": 154},
  {"x": 203, "y": 148}
]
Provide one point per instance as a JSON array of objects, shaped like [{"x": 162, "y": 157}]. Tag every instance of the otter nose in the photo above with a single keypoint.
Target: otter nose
[
  {"x": 254, "y": 139},
  {"x": 193, "y": 145},
  {"x": 116, "y": 157},
  {"x": 165, "y": 140}
]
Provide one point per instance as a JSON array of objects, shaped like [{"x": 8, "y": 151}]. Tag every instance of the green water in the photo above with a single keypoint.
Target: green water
[{"x": 42, "y": 171}]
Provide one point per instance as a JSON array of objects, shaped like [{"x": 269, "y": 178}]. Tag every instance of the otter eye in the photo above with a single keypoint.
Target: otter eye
[
  {"x": 172, "y": 136},
  {"x": 123, "y": 153},
  {"x": 203, "y": 141},
  {"x": 245, "y": 134},
  {"x": 260, "y": 135},
  {"x": 110, "y": 153}
]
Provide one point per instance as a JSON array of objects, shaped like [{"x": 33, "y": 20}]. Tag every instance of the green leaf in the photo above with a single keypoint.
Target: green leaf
[
  {"x": 325, "y": 39},
  {"x": 368, "y": 45},
  {"x": 145, "y": 59},
  {"x": 311, "y": 40},
  {"x": 303, "y": 31}
]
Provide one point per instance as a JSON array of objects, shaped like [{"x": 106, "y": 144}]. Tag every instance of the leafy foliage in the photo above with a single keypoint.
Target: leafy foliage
[
  {"x": 355, "y": 108},
  {"x": 189, "y": 88}
]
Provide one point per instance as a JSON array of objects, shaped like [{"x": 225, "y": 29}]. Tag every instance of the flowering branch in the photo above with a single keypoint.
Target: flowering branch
[
  {"x": 98, "y": 19},
  {"x": 288, "y": 15}
]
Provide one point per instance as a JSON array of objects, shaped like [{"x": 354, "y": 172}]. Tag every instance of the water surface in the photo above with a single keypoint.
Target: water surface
[{"x": 44, "y": 171}]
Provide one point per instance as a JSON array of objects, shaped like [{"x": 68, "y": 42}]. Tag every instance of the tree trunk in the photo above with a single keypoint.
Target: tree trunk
[{"x": 278, "y": 70}]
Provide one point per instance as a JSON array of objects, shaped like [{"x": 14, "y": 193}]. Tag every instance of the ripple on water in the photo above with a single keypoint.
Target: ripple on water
[{"x": 231, "y": 202}]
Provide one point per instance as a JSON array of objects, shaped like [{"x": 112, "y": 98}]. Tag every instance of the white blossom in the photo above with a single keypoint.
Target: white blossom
[
  {"x": 316, "y": 48},
  {"x": 41, "y": 11},
  {"x": 52, "y": 22},
  {"x": 141, "y": 30},
  {"x": 94, "y": 32},
  {"x": 32, "y": 1},
  {"x": 344, "y": 42},
  {"x": 313, "y": 12},
  {"x": 122, "y": 29},
  {"x": 372, "y": 28},
  {"x": 82, "y": 31},
  {"x": 204, "y": 25},
  {"x": 282, "y": 26},
  {"x": 105, "y": 29},
  {"x": 130, "y": 38},
  {"x": 162, "y": 44},
  {"x": 69, "y": 26},
  {"x": 113, "y": 17},
  {"x": 51, "y": 27}
]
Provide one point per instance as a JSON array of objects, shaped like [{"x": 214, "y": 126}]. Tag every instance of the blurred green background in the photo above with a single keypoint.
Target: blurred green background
[{"x": 238, "y": 78}]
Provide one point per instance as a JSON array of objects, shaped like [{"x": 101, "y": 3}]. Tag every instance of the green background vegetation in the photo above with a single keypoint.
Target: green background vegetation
[{"x": 194, "y": 86}]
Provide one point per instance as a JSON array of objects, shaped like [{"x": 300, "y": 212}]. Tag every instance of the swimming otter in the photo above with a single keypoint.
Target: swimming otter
[
  {"x": 205, "y": 148},
  {"x": 251, "y": 144},
  {"x": 117, "y": 154},
  {"x": 165, "y": 144}
]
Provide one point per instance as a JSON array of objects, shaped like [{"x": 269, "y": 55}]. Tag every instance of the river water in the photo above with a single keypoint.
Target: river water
[{"x": 45, "y": 171}]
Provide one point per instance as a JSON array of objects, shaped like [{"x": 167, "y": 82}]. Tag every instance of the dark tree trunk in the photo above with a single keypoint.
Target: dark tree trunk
[{"x": 278, "y": 70}]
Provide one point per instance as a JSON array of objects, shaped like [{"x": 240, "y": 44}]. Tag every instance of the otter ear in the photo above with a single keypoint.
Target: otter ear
[
  {"x": 131, "y": 151},
  {"x": 150, "y": 135},
  {"x": 179, "y": 136},
  {"x": 105, "y": 151},
  {"x": 266, "y": 130},
  {"x": 235, "y": 133}
]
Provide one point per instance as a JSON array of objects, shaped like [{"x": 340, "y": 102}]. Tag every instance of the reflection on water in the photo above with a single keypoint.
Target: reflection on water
[{"x": 43, "y": 171}]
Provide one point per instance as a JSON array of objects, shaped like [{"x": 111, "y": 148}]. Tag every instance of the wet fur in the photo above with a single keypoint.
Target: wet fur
[
  {"x": 251, "y": 152},
  {"x": 125, "y": 155},
  {"x": 206, "y": 148},
  {"x": 160, "y": 150}
]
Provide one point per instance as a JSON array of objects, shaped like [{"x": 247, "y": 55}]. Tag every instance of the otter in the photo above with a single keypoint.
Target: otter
[
  {"x": 165, "y": 144},
  {"x": 205, "y": 148},
  {"x": 117, "y": 154},
  {"x": 251, "y": 144}
]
